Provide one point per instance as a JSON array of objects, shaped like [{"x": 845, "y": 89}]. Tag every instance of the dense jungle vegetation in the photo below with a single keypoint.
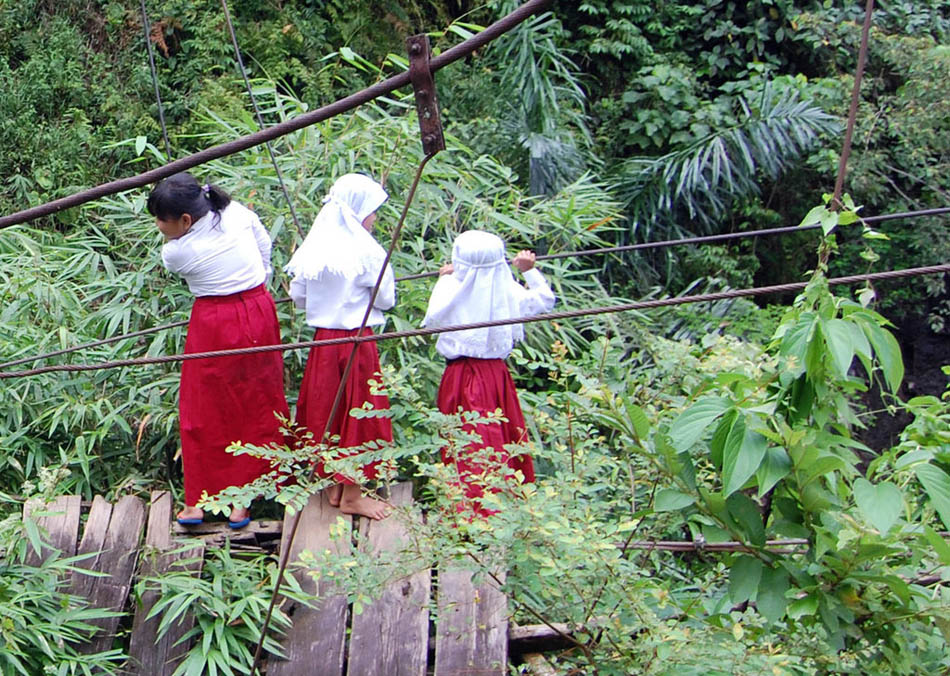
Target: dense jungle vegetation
[{"x": 601, "y": 122}]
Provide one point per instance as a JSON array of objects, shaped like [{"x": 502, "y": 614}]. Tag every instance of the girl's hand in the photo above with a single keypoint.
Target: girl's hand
[
  {"x": 446, "y": 269},
  {"x": 524, "y": 261}
]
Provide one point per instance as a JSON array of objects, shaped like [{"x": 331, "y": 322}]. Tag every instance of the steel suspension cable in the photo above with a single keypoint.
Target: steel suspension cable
[
  {"x": 631, "y": 247},
  {"x": 260, "y": 118},
  {"x": 550, "y": 316},
  {"x": 151, "y": 62},
  {"x": 706, "y": 239},
  {"x": 345, "y": 104}
]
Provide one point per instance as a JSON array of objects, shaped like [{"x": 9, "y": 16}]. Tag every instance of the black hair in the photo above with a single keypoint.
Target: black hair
[{"x": 181, "y": 194}]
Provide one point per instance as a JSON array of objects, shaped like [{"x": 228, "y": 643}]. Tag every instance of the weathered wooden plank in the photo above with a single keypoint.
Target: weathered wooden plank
[
  {"x": 315, "y": 643},
  {"x": 117, "y": 553},
  {"x": 150, "y": 655},
  {"x": 93, "y": 540},
  {"x": 59, "y": 525},
  {"x": 472, "y": 629},
  {"x": 391, "y": 635}
]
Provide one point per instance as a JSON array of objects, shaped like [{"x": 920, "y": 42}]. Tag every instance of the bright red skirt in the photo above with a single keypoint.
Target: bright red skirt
[
  {"x": 484, "y": 385},
  {"x": 228, "y": 399},
  {"x": 321, "y": 379}
]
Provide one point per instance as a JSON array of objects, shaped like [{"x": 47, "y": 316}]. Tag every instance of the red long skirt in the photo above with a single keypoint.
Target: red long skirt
[
  {"x": 228, "y": 399},
  {"x": 321, "y": 379},
  {"x": 484, "y": 385}
]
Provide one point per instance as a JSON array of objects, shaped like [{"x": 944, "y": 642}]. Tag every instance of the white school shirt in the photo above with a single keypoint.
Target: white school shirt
[
  {"x": 336, "y": 302},
  {"x": 221, "y": 256},
  {"x": 535, "y": 299}
]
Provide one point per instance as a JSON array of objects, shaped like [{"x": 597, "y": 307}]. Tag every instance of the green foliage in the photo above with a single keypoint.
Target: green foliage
[
  {"x": 42, "y": 626},
  {"x": 228, "y": 603},
  {"x": 701, "y": 180}
]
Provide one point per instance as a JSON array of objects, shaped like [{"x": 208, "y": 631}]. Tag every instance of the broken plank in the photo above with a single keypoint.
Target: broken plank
[
  {"x": 472, "y": 629},
  {"x": 315, "y": 642},
  {"x": 391, "y": 635},
  {"x": 150, "y": 655},
  {"x": 58, "y": 522},
  {"x": 116, "y": 555}
]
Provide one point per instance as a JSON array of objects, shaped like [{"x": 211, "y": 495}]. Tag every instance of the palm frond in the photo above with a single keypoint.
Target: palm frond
[{"x": 702, "y": 180}]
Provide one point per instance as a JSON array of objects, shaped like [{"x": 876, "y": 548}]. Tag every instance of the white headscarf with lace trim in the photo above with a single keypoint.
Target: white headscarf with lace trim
[
  {"x": 338, "y": 243},
  {"x": 479, "y": 289}
]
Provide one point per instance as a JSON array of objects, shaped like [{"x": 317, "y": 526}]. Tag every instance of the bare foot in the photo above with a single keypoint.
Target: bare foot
[
  {"x": 191, "y": 513},
  {"x": 334, "y": 494},
  {"x": 238, "y": 514},
  {"x": 354, "y": 502}
]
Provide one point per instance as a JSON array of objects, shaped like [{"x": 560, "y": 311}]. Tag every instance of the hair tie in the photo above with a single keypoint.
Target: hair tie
[{"x": 205, "y": 189}]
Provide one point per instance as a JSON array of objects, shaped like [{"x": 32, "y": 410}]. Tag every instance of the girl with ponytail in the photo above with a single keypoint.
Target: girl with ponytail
[{"x": 223, "y": 252}]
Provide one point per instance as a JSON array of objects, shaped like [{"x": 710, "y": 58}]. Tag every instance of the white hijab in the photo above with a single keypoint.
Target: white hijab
[
  {"x": 338, "y": 243},
  {"x": 479, "y": 289}
]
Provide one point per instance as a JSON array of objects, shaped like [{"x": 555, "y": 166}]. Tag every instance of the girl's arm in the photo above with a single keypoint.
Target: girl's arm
[
  {"x": 538, "y": 297},
  {"x": 386, "y": 296},
  {"x": 262, "y": 239},
  {"x": 298, "y": 292}
]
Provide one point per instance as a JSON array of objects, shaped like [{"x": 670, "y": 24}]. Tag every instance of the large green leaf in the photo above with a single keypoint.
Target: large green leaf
[
  {"x": 691, "y": 423},
  {"x": 775, "y": 466},
  {"x": 669, "y": 500},
  {"x": 744, "y": 577},
  {"x": 770, "y": 599},
  {"x": 888, "y": 353},
  {"x": 747, "y": 516},
  {"x": 742, "y": 456},
  {"x": 881, "y": 504},
  {"x": 837, "y": 335},
  {"x": 937, "y": 484}
]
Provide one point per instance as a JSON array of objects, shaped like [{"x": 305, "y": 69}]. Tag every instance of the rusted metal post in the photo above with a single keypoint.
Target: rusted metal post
[{"x": 427, "y": 103}]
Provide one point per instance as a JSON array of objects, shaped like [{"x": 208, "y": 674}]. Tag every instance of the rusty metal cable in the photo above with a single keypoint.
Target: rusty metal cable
[
  {"x": 550, "y": 316},
  {"x": 853, "y": 109},
  {"x": 707, "y": 239},
  {"x": 151, "y": 63},
  {"x": 260, "y": 118},
  {"x": 345, "y": 104}
]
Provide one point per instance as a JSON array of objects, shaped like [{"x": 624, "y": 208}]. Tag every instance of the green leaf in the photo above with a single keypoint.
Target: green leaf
[
  {"x": 822, "y": 466},
  {"x": 691, "y": 423},
  {"x": 802, "y": 607},
  {"x": 641, "y": 425},
  {"x": 669, "y": 500},
  {"x": 937, "y": 484},
  {"x": 742, "y": 456},
  {"x": 744, "y": 577},
  {"x": 829, "y": 221},
  {"x": 775, "y": 466},
  {"x": 140, "y": 142},
  {"x": 941, "y": 547},
  {"x": 888, "y": 354},
  {"x": 837, "y": 334},
  {"x": 880, "y": 504},
  {"x": 746, "y": 514},
  {"x": 770, "y": 599}
]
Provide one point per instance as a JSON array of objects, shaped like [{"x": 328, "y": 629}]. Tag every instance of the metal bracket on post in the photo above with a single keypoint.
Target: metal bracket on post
[{"x": 427, "y": 103}]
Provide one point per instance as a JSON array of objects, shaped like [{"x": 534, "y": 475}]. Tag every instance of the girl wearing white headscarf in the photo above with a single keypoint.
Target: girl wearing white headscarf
[
  {"x": 334, "y": 272},
  {"x": 476, "y": 287}
]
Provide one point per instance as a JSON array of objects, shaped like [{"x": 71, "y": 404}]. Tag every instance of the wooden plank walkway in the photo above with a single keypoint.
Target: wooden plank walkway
[{"x": 391, "y": 636}]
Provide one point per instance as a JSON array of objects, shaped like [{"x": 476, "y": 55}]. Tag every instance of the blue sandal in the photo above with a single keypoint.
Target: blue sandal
[{"x": 239, "y": 524}]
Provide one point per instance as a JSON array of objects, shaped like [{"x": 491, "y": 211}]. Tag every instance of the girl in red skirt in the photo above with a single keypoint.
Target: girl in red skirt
[
  {"x": 335, "y": 270},
  {"x": 478, "y": 286},
  {"x": 223, "y": 252}
]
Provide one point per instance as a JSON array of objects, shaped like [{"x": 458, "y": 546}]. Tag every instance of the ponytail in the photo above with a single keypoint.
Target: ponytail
[{"x": 182, "y": 194}]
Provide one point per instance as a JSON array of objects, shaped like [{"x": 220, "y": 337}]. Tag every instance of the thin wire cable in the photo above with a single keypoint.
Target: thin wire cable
[
  {"x": 297, "y": 123},
  {"x": 158, "y": 94},
  {"x": 550, "y": 316},
  {"x": 337, "y": 399},
  {"x": 708, "y": 239},
  {"x": 260, "y": 118},
  {"x": 588, "y": 252}
]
